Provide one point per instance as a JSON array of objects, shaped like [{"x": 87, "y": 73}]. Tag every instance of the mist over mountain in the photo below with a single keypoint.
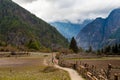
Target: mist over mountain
[
  {"x": 101, "y": 32},
  {"x": 21, "y": 29},
  {"x": 68, "y": 29}
]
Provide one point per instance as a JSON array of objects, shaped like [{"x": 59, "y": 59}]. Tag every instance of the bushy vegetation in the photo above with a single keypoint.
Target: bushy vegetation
[
  {"x": 2, "y": 43},
  {"x": 34, "y": 45},
  {"x": 50, "y": 69}
]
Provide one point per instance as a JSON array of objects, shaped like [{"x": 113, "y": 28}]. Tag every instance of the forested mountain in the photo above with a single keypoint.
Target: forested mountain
[
  {"x": 68, "y": 29},
  {"x": 101, "y": 32},
  {"x": 19, "y": 28}
]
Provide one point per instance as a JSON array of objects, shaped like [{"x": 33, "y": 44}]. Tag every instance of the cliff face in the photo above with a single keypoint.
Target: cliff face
[
  {"x": 18, "y": 27},
  {"x": 100, "y": 32}
]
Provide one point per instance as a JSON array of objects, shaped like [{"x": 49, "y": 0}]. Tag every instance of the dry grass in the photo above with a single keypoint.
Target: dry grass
[{"x": 29, "y": 68}]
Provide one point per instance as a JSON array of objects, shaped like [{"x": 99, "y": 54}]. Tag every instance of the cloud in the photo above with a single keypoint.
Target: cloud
[
  {"x": 24, "y": 1},
  {"x": 71, "y": 10}
]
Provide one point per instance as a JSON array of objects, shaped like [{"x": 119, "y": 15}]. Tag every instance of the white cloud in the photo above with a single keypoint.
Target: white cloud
[
  {"x": 72, "y": 10},
  {"x": 24, "y": 1}
]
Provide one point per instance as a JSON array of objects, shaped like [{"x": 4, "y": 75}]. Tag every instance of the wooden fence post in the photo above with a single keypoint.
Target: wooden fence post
[
  {"x": 115, "y": 77},
  {"x": 109, "y": 71}
]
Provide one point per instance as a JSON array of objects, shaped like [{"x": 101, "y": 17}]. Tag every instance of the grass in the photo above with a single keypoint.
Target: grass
[
  {"x": 33, "y": 74},
  {"x": 32, "y": 69}
]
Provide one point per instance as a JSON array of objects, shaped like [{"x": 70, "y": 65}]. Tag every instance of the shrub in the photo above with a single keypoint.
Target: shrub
[{"x": 50, "y": 69}]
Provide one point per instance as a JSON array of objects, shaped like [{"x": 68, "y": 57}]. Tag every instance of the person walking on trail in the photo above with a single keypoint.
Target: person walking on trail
[{"x": 53, "y": 60}]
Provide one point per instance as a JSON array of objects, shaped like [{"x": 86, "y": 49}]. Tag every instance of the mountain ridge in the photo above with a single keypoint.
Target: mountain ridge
[
  {"x": 20, "y": 28},
  {"x": 69, "y": 29},
  {"x": 97, "y": 33}
]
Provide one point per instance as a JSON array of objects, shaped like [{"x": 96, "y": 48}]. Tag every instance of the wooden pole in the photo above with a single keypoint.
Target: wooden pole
[{"x": 115, "y": 77}]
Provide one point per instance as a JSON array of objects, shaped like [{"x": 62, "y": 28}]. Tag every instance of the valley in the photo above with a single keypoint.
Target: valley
[
  {"x": 59, "y": 40},
  {"x": 68, "y": 29}
]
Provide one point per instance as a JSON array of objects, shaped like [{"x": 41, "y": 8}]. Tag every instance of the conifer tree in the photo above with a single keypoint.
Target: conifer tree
[
  {"x": 90, "y": 49},
  {"x": 119, "y": 48},
  {"x": 73, "y": 45},
  {"x": 116, "y": 48},
  {"x": 107, "y": 49}
]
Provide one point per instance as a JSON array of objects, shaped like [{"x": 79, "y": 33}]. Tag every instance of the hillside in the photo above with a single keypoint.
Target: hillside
[
  {"x": 101, "y": 32},
  {"x": 68, "y": 29},
  {"x": 19, "y": 28}
]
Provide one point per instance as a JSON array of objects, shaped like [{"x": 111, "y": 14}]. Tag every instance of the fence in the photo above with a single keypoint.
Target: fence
[{"x": 90, "y": 72}]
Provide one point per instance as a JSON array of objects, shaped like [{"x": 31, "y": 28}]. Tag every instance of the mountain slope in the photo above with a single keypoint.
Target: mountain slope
[
  {"x": 68, "y": 29},
  {"x": 19, "y": 27},
  {"x": 100, "y": 32}
]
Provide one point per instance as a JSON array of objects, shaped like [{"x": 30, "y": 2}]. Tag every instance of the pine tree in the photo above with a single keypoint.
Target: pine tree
[
  {"x": 116, "y": 48},
  {"x": 119, "y": 49},
  {"x": 108, "y": 49},
  {"x": 102, "y": 51},
  {"x": 73, "y": 45},
  {"x": 90, "y": 49}
]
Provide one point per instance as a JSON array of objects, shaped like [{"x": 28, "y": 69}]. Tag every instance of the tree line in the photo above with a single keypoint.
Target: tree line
[
  {"x": 110, "y": 50},
  {"x": 107, "y": 50}
]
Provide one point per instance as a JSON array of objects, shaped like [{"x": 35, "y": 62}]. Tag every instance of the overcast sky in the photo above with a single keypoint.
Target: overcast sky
[{"x": 71, "y": 10}]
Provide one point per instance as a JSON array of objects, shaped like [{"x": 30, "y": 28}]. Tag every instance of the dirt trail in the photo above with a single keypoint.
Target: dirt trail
[{"x": 73, "y": 74}]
